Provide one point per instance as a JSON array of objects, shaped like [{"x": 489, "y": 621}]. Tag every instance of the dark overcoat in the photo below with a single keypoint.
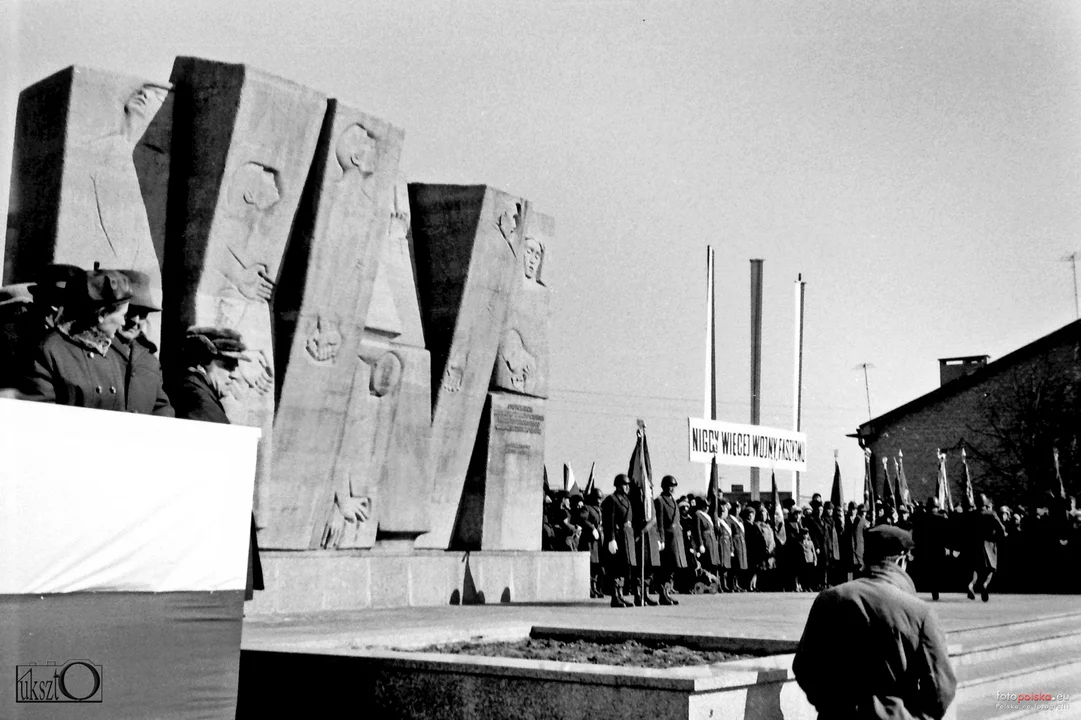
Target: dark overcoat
[
  {"x": 739, "y": 543},
  {"x": 832, "y": 541},
  {"x": 66, "y": 371},
  {"x": 986, "y": 532},
  {"x": 674, "y": 554},
  {"x": 724, "y": 543},
  {"x": 761, "y": 544},
  {"x": 588, "y": 519},
  {"x": 705, "y": 537},
  {"x": 902, "y": 660},
  {"x": 617, "y": 521},
  {"x": 852, "y": 543},
  {"x": 641, "y": 527},
  {"x": 194, "y": 399},
  {"x": 143, "y": 385}
]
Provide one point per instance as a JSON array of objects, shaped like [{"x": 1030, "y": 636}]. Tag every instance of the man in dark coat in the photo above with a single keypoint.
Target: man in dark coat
[
  {"x": 673, "y": 550},
  {"x": 852, "y": 542},
  {"x": 589, "y": 519},
  {"x": 210, "y": 357},
  {"x": 985, "y": 532},
  {"x": 815, "y": 524},
  {"x": 931, "y": 535},
  {"x": 144, "y": 390},
  {"x": 901, "y": 669},
  {"x": 617, "y": 523},
  {"x": 834, "y": 524}
]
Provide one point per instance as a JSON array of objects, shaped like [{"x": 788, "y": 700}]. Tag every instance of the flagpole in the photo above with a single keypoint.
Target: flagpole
[
  {"x": 797, "y": 381},
  {"x": 709, "y": 400},
  {"x": 756, "y": 359}
]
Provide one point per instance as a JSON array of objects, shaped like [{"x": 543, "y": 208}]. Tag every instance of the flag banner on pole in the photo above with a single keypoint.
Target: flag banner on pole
[
  {"x": 775, "y": 498},
  {"x": 713, "y": 491},
  {"x": 837, "y": 496},
  {"x": 902, "y": 482},
  {"x": 968, "y": 499},
  {"x": 887, "y": 485},
  {"x": 639, "y": 473},
  {"x": 592, "y": 481},
  {"x": 942, "y": 488},
  {"x": 569, "y": 483},
  {"x": 868, "y": 481}
]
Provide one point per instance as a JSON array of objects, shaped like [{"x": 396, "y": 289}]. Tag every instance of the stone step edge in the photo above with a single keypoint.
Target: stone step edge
[{"x": 1042, "y": 620}]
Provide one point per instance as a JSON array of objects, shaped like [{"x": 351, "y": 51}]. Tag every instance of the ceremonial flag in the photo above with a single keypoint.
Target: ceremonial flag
[
  {"x": 569, "y": 483},
  {"x": 888, "y": 497},
  {"x": 942, "y": 489},
  {"x": 837, "y": 496},
  {"x": 868, "y": 482},
  {"x": 1058, "y": 475},
  {"x": 902, "y": 482},
  {"x": 967, "y": 500},
  {"x": 713, "y": 492},
  {"x": 775, "y": 498},
  {"x": 640, "y": 473},
  {"x": 591, "y": 482}
]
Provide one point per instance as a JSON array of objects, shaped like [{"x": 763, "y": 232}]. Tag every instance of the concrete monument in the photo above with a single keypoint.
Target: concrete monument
[
  {"x": 94, "y": 148},
  {"x": 244, "y": 142}
]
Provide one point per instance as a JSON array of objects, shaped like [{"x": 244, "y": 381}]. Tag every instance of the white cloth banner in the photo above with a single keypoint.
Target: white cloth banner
[
  {"x": 746, "y": 445},
  {"x": 92, "y": 500}
]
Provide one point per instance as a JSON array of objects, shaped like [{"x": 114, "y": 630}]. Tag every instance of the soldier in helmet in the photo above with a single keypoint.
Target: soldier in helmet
[
  {"x": 617, "y": 522},
  {"x": 673, "y": 554}
]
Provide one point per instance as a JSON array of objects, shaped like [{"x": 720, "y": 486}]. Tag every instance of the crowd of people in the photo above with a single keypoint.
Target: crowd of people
[
  {"x": 78, "y": 337},
  {"x": 690, "y": 545}
]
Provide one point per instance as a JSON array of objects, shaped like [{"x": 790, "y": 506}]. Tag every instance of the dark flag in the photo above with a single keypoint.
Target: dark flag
[
  {"x": 868, "y": 482},
  {"x": 903, "y": 492},
  {"x": 547, "y": 487},
  {"x": 640, "y": 475},
  {"x": 887, "y": 485},
  {"x": 591, "y": 482},
  {"x": 713, "y": 492},
  {"x": 778, "y": 516},
  {"x": 837, "y": 496},
  {"x": 968, "y": 499}
]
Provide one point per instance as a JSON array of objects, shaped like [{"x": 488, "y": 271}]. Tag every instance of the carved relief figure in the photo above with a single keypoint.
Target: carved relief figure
[
  {"x": 365, "y": 444},
  {"x": 508, "y": 218},
  {"x": 526, "y": 335},
  {"x": 352, "y": 210}
]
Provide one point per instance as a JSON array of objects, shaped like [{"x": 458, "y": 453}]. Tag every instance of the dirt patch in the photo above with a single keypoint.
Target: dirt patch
[{"x": 630, "y": 653}]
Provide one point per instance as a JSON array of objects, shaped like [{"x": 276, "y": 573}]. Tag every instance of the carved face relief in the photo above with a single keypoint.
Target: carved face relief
[
  {"x": 356, "y": 150},
  {"x": 254, "y": 187},
  {"x": 145, "y": 102},
  {"x": 534, "y": 257}
]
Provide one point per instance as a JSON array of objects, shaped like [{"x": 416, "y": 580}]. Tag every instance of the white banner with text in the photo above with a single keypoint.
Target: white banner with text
[{"x": 746, "y": 445}]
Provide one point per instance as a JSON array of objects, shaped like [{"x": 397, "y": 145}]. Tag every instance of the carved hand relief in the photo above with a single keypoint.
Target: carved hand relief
[
  {"x": 254, "y": 374},
  {"x": 454, "y": 372},
  {"x": 347, "y": 509},
  {"x": 253, "y": 191},
  {"x": 325, "y": 340},
  {"x": 508, "y": 218},
  {"x": 519, "y": 363}
]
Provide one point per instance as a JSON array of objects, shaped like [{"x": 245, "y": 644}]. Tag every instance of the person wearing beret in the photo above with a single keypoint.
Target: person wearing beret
[
  {"x": 77, "y": 363},
  {"x": 211, "y": 358},
  {"x": 144, "y": 390},
  {"x": 901, "y": 668},
  {"x": 617, "y": 524}
]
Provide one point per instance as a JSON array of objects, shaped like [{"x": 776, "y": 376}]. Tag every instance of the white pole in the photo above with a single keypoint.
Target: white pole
[
  {"x": 797, "y": 375},
  {"x": 709, "y": 404}
]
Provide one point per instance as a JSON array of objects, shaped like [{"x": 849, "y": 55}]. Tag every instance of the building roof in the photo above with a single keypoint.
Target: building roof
[{"x": 1004, "y": 363}]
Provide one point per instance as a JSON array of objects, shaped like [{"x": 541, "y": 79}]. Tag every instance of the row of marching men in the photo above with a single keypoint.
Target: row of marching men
[{"x": 78, "y": 337}]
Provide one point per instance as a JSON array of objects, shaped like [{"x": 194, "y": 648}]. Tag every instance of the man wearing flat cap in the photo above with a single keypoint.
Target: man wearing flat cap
[
  {"x": 145, "y": 393},
  {"x": 617, "y": 523},
  {"x": 77, "y": 362},
  {"x": 673, "y": 554},
  {"x": 902, "y": 668}
]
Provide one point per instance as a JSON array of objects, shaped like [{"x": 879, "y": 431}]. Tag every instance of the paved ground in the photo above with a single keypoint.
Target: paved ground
[{"x": 761, "y": 615}]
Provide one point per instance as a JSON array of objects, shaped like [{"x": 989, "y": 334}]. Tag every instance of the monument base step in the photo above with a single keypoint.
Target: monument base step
[{"x": 299, "y": 582}]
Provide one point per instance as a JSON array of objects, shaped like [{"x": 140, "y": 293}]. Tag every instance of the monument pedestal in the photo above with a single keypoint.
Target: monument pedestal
[{"x": 355, "y": 580}]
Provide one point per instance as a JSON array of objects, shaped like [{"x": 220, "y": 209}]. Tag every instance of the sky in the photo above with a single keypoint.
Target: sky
[{"x": 917, "y": 162}]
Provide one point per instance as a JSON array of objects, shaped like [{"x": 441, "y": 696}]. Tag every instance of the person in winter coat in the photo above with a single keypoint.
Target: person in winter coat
[
  {"x": 739, "y": 553},
  {"x": 211, "y": 358},
  {"x": 145, "y": 392},
  {"x": 592, "y": 507},
  {"x": 705, "y": 539},
  {"x": 985, "y": 532},
  {"x": 617, "y": 523},
  {"x": 589, "y": 533},
  {"x": 901, "y": 668},
  {"x": 673, "y": 552},
  {"x": 78, "y": 362},
  {"x": 724, "y": 547}
]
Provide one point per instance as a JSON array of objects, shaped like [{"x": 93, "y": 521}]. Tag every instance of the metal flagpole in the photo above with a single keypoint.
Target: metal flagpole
[
  {"x": 756, "y": 358},
  {"x": 797, "y": 390}
]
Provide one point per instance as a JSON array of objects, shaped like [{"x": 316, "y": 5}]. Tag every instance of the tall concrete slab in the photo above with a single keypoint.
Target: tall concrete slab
[
  {"x": 90, "y": 176},
  {"x": 244, "y": 141},
  {"x": 321, "y": 310}
]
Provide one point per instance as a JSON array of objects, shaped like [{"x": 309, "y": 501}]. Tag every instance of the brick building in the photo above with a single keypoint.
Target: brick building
[{"x": 1009, "y": 415}]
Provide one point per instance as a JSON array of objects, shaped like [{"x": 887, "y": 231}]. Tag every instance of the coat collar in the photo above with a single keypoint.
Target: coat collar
[
  {"x": 91, "y": 338},
  {"x": 889, "y": 573}
]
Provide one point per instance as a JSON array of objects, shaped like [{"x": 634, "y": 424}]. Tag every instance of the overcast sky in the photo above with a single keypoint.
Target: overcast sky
[{"x": 918, "y": 162}]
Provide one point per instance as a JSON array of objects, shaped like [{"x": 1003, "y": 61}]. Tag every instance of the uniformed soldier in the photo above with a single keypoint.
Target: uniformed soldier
[
  {"x": 617, "y": 521},
  {"x": 673, "y": 552}
]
